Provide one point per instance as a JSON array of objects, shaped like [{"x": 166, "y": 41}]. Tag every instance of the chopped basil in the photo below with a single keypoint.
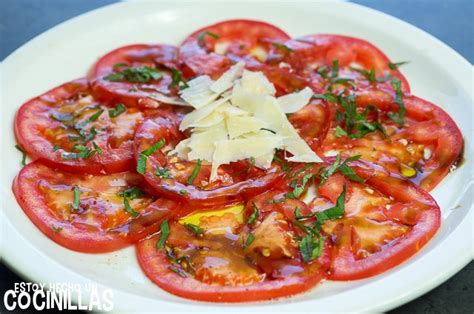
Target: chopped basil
[
  {"x": 400, "y": 115},
  {"x": 180, "y": 272},
  {"x": 128, "y": 208},
  {"x": 97, "y": 148},
  {"x": 77, "y": 198},
  {"x": 119, "y": 65},
  {"x": 132, "y": 193},
  {"x": 177, "y": 79},
  {"x": 323, "y": 71},
  {"x": 249, "y": 240},
  {"x": 298, "y": 215},
  {"x": 118, "y": 110},
  {"x": 96, "y": 115},
  {"x": 283, "y": 163},
  {"x": 196, "y": 170},
  {"x": 311, "y": 247},
  {"x": 283, "y": 47},
  {"x": 141, "y": 165},
  {"x": 396, "y": 65},
  {"x": 202, "y": 35},
  {"x": 56, "y": 229},
  {"x": 254, "y": 215},
  {"x": 344, "y": 168},
  {"x": 162, "y": 173},
  {"x": 194, "y": 228},
  {"x": 83, "y": 152},
  {"x": 294, "y": 174},
  {"x": 278, "y": 201},
  {"x": 271, "y": 131},
  {"x": 165, "y": 232},
  {"x": 23, "y": 155},
  {"x": 298, "y": 190},
  {"x": 327, "y": 96},
  {"x": 142, "y": 74},
  {"x": 66, "y": 117},
  {"x": 335, "y": 68},
  {"x": 56, "y": 147},
  {"x": 332, "y": 213},
  {"x": 182, "y": 192},
  {"x": 339, "y": 132}
]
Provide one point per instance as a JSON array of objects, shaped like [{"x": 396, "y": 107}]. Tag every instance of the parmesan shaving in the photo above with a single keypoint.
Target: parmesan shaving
[{"x": 293, "y": 102}]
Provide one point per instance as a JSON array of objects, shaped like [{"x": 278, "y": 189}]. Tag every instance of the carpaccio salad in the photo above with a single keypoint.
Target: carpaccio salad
[{"x": 243, "y": 165}]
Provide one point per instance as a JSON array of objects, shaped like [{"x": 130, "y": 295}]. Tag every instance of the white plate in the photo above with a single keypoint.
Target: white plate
[{"x": 436, "y": 73}]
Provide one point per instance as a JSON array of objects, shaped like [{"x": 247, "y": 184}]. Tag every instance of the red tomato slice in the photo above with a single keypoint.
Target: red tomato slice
[
  {"x": 423, "y": 150},
  {"x": 235, "y": 182},
  {"x": 312, "y": 56},
  {"x": 109, "y": 85},
  {"x": 212, "y": 49},
  {"x": 61, "y": 127},
  {"x": 218, "y": 263},
  {"x": 386, "y": 220},
  {"x": 100, "y": 222}
]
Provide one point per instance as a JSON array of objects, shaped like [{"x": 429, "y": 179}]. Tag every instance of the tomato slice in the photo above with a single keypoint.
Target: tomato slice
[
  {"x": 68, "y": 129},
  {"x": 212, "y": 49},
  {"x": 132, "y": 74},
  {"x": 95, "y": 220},
  {"x": 424, "y": 149},
  {"x": 312, "y": 56},
  {"x": 214, "y": 260},
  {"x": 170, "y": 175},
  {"x": 386, "y": 220}
]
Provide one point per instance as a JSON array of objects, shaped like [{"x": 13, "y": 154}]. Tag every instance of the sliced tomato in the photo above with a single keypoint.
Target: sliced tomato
[
  {"x": 312, "y": 56},
  {"x": 218, "y": 263},
  {"x": 135, "y": 90},
  {"x": 99, "y": 223},
  {"x": 212, "y": 49},
  {"x": 170, "y": 175},
  {"x": 386, "y": 220},
  {"x": 68, "y": 129},
  {"x": 424, "y": 149}
]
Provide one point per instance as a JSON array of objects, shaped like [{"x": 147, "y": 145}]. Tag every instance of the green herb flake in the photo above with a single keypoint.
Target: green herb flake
[
  {"x": 119, "y": 65},
  {"x": 399, "y": 116},
  {"x": 182, "y": 192},
  {"x": 66, "y": 117},
  {"x": 23, "y": 155},
  {"x": 339, "y": 132},
  {"x": 195, "y": 172},
  {"x": 56, "y": 147},
  {"x": 283, "y": 47},
  {"x": 343, "y": 167},
  {"x": 132, "y": 193},
  {"x": 254, "y": 215},
  {"x": 56, "y": 229},
  {"x": 335, "y": 68},
  {"x": 97, "y": 148},
  {"x": 268, "y": 130},
  {"x": 164, "y": 234},
  {"x": 141, "y": 164},
  {"x": 162, "y": 173},
  {"x": 194, "y": 228},
  {"x": 177, "y": 79},
  {"x": 298, "y": 190},
  {"x": 203, "y": 35},
  {"x": 311, "y": 247},
  {"x": 277, "y": 201},
  {"x": 142, "y": 74},
  {"x": 95, "y": 116},
  {"x": 77, "y": 198},
  {"x": 128, "y": 208},
  {"x": 332, "y": 213},
  {"x": 249, "y": 240},
  {"x": 118, "y": 110},
  {"x": 178, "y": 270},
  {"x": 396, "y": 65}
]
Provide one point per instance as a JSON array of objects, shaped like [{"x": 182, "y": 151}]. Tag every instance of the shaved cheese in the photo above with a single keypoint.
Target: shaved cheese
[
  {"x": 197, "y": 115},
  {"x": 237, "y": 149},
  {"x": 257, "y": 82},
  {"x": 221, "y": 47},
  {"x": 239, "y": 125},
  {"x": 264, "y": 161},
  {"x": 212, "y": 119},
  {"x": 259, "y": 53},
  {"x": 231, "y": 111},
  {"x": 181, "y": 150},
  {"x": 202, "y": 145},
  {"x": 293, "y": 102},
  {"x": 199, "y": 94},
  {"x": 168, "y": 100},
  {"x": 300, "y": 150},
  {"x": 227, "y": 79}
]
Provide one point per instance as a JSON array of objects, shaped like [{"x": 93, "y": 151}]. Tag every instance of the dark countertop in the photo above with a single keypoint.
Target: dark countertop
[{"x": 450, "y": 21}]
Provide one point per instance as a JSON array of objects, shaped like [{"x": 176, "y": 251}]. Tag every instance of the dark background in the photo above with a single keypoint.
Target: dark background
[{"x": 449, "y": 20}]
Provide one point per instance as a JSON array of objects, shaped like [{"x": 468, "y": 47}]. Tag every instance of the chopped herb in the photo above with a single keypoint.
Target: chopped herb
[
  {"x": 335, "y": 68},
  {"x": 249, "y": 240},
  {"x": 400, "y": 115},
  {"x": 56, "y": 229},
  {"x": 340, "y": 80},
  {"x": 194, "y": 228},
  {"x": 119, "y": 65},
  {"x": 369, "y": 75},
  {"x": 97, "y": 148},
  {"x": 344, "y": 168},
  {"x": 298, "y": 190},
  {"x": 252, "y": 161},
  {"x": 271, "y": 131},
  {"x": 142, "y": 74},
  {"x": 182, "y": 192},
  {"x": 77, "y": 198},
  {"x": 196, "y": 170},
  {"x": 95, "y": 116},
  {"x": 323, "y": 71},
  {"x": 254, "y": 215},
  {"x": 298, "y": 215},
  {"x": 165, "y": 232},
  {"x": 118, "y": 110},
  {"x": 327, "y": 96},
  {"x": 202, "y": 36},
  {"x": 23, "y": 154},
  {"x": 132, "y": 193},
  {"x": 83, "y": 152},
  {"x": 178, "y": 270},
  {"x": 66, "y": 117},
  {"x": 311, "y": 248},
  {"x": 294, "y": 174},
  {"x": 332, "y": 213},
  {"x": 339, "y": 132},
  {"x": 177, "y": 79},
  {"x": 278, "y": 201},
  {"x": 141, "y": 165},
  {"x": 283, "y": 163},
  {"x": 128, "y": 208},
  {"x": 56, "y": 147},
  {"x": 396, "y": 65},
  {"x": 163, "y": 173},
  {"x": 283, "y": 47}
]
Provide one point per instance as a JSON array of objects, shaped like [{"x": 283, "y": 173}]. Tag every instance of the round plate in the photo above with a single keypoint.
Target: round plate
[{"x": 436, "y": 73}]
